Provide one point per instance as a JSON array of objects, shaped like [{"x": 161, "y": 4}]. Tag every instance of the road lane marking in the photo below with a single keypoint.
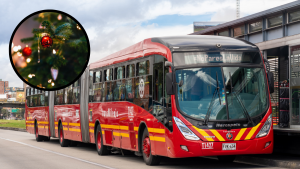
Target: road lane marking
[{"x": 75, "y": 158}]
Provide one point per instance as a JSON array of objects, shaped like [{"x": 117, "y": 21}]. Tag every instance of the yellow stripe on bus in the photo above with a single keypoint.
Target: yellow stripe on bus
[
  {"x": 55, "y": 122},
  {"x": 74, "y": 124},
  {"x": 123, "y": 127},
  {"x": 65, "y": 129},
  {"x": 116, "y": 134},
  {"x": 216, "y": 133},
  {"x": 203, "y": 133},
  {"x": 136, "y": 136},
  {"x": 64, "y": 123},
  {"x": 30, "y": 125},
  {"x": 240, "y": 134},
  {"x": 40, "y": 126},
  {"x": 91, "y": 130},
  {"x": 91, "y": 124},
  {"x": 56, "y": 127},
  {"x": 155, "y": 130},
  {"x": 109, "y": 126},
  {"x": 154, "y": 138},
  {"x": 136, "y": 128},
  {"x": 76, "y": 130},
  {"x": 43, "y": 122},
  {"x": 29, "y": 121},
  {"x": 252, "y": 131},
  {"x": 124, "y": 134}
]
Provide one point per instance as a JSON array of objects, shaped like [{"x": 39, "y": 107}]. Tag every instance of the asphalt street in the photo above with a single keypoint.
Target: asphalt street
[{"x": 20, "y": 150}]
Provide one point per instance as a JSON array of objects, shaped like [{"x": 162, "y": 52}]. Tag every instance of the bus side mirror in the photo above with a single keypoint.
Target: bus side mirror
[
  {"x": 169, "y": 84},
  {"x": 271, "y": 81}
]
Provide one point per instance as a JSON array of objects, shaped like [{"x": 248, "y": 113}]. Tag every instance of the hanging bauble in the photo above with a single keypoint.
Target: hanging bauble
[
  {"x": 46, "y": 41},
  {"x": 54, "y": 73},
  {"x": 27, "y": 52}
]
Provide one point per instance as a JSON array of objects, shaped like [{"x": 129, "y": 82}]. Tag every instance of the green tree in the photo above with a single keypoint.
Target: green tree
[
  {"x": 70, "y": 44},
  {"x": 5, "y": 113}
]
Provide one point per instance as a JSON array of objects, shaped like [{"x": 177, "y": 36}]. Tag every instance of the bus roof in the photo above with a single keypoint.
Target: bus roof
[{"x": 165, "y": 45}]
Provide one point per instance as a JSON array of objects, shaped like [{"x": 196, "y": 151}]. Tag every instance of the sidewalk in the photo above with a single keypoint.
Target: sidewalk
[{"x": 274, "y": 160}]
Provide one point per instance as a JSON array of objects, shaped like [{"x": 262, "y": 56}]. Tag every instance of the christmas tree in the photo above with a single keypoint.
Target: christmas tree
[{"x": 59, "y": 52}]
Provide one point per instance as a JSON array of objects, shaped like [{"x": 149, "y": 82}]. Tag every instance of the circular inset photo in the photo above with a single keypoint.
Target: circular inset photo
[{"x": 49, "y": 50}]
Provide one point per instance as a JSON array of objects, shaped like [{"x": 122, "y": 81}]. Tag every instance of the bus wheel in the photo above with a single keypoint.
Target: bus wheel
[
  {"x": 63, "y": 142},
  {"x": 38, "y": 138},
  {"x": 226, "y": 159},
  {"x": 146, "y": 149},
  {"x": 101, "y": 149}
]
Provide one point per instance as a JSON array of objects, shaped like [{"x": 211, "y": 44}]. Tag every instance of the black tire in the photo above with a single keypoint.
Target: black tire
[
  {"x": 148, "y": 157},
  {"x": 101, "y": 149},
  {"x": 38, "y": 137},
  {"x": 46, "y": 138},
  {"x": 62, "y": 141},
  {"x": 226, "y": 159}
]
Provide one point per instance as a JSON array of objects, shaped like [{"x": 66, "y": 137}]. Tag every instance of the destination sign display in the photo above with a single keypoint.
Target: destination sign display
[{"x": 189, "y": 58}]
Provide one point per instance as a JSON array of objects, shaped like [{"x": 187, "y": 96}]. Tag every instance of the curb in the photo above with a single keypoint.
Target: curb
[
  {"x": 12, "y": 128},
  {"x": 268, "y": 162}
]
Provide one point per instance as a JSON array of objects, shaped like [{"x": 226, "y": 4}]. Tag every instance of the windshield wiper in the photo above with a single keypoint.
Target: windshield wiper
[
  {"x": 241, "y": 103},
  {"x": 212, "y": 101}
]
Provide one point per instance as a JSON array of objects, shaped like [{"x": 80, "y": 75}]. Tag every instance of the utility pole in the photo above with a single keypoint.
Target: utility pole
[{"x": 237, "y": 9}]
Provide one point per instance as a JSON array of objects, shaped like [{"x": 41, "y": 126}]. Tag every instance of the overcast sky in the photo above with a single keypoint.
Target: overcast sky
[{"x": 113, "y": 25}]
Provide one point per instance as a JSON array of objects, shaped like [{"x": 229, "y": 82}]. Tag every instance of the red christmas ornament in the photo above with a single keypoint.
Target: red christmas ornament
[
  {"x": 46, "y": 41},
  {"x": 27, "y": 51}
]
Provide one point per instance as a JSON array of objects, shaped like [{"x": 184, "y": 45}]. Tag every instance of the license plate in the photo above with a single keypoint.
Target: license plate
[{"x": 229, "y": 146}]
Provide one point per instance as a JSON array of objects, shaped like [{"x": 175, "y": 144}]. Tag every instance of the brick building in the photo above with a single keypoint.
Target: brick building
[{"x": 3, "y": 85}]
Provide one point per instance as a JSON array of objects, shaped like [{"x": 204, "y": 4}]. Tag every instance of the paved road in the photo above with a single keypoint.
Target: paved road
[{"x": 20, "y": 150}]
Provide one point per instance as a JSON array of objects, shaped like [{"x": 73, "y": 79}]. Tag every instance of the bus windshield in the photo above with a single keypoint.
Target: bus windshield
[{"x": 242, "y": 89}]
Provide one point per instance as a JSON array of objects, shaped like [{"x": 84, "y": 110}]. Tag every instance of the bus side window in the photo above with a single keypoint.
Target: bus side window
[
  {"x": 142, "y": 85},
  {"x": 91, "y": 82},
  {"x": 46, "y": 98},
  {"x": 42, "y": 97}
]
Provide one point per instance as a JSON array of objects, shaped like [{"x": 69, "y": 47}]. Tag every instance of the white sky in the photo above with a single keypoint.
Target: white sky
[{"x": 114, "y": 25}]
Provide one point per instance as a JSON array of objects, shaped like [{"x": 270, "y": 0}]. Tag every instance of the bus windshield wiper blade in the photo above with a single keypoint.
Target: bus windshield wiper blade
[
  {"x": 212, "y": 101},
  {"x": 241, "y": 103}
]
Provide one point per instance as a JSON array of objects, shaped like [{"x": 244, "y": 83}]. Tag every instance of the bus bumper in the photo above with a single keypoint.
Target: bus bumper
[{"x": 262, "y": 145}]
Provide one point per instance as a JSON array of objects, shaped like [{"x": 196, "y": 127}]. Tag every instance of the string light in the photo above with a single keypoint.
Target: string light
[
  {"x": 15, "y": 48},
  {"x": 54, "y": 51},
  {"x": 19, "y": 47},
  {"x": 52, "y": 84},
  {"x": 19, "y": 54},
  {"x": 59, "y": 17},
  {"x": 78, "y": 27},
  {"x": 49, "y": 81},
  {"x": 30, "y": 76},
  {"x": 28, "y": 60}
]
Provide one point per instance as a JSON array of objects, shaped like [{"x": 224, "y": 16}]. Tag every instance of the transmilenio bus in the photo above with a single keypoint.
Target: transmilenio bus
[{"x": 184, "y": 96}]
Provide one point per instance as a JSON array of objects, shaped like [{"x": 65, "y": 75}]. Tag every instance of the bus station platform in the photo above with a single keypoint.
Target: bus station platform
[{"x": 280, "y": 160}]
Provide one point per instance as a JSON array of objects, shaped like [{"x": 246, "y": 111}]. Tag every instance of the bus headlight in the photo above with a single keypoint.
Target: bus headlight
[
  {"x": 186, "y": 132},
  {"x": 266, "y": 128}
]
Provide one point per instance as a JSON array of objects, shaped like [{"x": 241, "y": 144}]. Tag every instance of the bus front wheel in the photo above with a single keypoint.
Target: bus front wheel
[
  {"x": 146, "y": 149},
  {"x": 101, "y": 149},
  {"x": 226, "y": 159}
]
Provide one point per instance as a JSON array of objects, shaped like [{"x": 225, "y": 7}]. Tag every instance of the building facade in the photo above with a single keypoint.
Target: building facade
[{"x": 3, "y": 85}]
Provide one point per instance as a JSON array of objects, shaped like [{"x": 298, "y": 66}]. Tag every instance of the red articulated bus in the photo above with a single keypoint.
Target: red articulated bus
[{"x": 184, "y": 96}]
